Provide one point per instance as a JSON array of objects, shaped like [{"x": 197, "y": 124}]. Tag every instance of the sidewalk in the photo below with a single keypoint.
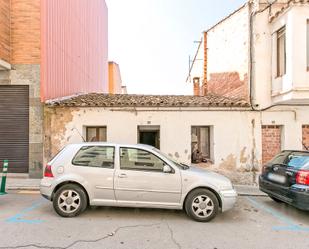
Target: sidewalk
[{"x": 33, "y": 184}]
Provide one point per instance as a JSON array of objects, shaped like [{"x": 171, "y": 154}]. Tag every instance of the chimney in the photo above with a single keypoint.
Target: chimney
[
  {"x": 196, "y": 86},
  {"x": 205, "y": 81}
]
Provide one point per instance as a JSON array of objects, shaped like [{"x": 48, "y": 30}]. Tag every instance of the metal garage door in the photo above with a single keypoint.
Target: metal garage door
[{"x": 14, "y": 127}]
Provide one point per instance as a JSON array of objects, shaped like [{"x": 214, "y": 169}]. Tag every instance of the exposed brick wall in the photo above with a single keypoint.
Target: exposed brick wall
[
  {"x": 271, "y": 141},
  {"x": 228, "y": 84},
  {"x": 5, "y": 30},
  {"x": 25, "y": 31},
  {"x": 306, "y": 136}
]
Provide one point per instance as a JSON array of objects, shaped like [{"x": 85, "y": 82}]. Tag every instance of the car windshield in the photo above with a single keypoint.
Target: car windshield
[{"x": 178, "y": 164}]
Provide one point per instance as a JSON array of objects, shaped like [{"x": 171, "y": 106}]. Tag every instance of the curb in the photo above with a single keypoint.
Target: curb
[{"x": 22, "y": 188}]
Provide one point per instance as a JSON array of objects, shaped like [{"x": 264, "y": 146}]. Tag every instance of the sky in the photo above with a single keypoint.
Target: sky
[{"x": 151, "y": 40}]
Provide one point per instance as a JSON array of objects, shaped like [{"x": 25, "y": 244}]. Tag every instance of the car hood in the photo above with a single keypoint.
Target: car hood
[{"x": 210, "y": 177}]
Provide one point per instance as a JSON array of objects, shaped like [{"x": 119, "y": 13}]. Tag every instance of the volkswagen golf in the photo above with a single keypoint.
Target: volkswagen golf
[{"x": 101, "y": 174}]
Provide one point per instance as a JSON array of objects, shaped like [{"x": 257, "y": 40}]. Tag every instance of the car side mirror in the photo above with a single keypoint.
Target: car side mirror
[{"x": 167, "y": 169}]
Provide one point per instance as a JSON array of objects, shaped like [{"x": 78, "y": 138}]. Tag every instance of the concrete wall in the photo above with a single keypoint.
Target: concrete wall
[
  {"x": 268, "y": 88},
  {"x": 236, "y": 135},
  {"x": 227, "y": 56},
  {"x": 232, "y": 153}
]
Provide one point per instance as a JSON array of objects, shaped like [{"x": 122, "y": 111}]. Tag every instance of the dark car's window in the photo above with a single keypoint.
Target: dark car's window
[
  {"x": 298, "y": 160},
  {"x": 137, "y": 159},
  {"x": 280, "y": 158},
  {"x": 95, "y": 156}
]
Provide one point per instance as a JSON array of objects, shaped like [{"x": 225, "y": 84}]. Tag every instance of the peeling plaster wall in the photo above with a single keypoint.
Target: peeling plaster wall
[
  {"x": 232, "y": 152},
  {"x": 237, "y": 136}
]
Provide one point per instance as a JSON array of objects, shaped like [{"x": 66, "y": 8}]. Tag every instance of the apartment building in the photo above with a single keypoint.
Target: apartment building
[
  {"x": 260, "y": 53},
  {"x": 48, "y": 49}
]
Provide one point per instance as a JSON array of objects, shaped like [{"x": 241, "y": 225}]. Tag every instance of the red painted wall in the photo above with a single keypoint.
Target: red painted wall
[{"x": 73, "y": 47}]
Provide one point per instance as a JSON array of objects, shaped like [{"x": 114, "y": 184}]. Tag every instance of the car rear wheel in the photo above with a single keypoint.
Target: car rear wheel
[
  {"x": 202, "y": 205},
  {"x": 70, "y": 200},
  {"x": 275, "y": 199}
]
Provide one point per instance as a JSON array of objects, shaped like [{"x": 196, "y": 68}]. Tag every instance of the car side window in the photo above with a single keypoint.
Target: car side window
[
  {"x": 95, "y": 156},
  {"x": 138, "y": 159}
]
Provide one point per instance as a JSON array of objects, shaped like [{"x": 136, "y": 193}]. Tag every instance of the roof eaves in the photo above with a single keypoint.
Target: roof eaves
[{"x": 285, "y": 8}]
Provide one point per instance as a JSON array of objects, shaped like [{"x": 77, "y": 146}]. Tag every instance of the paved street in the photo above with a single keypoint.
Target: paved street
[{"x": 28, "y": 221}]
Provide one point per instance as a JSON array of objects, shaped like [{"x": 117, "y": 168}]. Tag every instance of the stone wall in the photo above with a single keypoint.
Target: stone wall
[{"x": 30, "y": 75}]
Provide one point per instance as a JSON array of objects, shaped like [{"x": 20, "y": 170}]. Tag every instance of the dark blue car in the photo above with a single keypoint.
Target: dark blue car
[{"x": 286, "y": 178}]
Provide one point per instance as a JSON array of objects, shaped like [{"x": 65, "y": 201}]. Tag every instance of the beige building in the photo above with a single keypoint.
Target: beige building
[{"x": 260, "y": 53}]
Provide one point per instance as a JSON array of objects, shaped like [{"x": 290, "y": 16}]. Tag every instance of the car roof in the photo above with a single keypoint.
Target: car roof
[
  {"x": 301, "y": 151},
  {"x": 114, "y": 144}
]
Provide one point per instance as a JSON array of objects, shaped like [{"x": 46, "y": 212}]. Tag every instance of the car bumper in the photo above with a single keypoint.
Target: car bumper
[
  {"x": 228, "y": 198},
  {"x": 296, "y": 195},
  {"x": 46, "y": 188}
]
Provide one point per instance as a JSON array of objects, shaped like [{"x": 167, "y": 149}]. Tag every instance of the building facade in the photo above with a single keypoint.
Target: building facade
[
  {"x": 174, "y": 124},
  {"x": 48, "y": 49},
  {"x": 260, "y": 54}
]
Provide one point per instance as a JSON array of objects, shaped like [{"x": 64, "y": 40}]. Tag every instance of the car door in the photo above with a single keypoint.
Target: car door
[
  {"x": 140, "y": 179},
  {"x": 95, "y": 165}
]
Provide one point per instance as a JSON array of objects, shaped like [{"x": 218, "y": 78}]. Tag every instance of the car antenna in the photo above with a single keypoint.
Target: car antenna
[{"x": 74, "y": 128}]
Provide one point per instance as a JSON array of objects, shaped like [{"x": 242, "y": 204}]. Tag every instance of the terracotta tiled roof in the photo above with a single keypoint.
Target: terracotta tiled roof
[
  {"x": 286, "y": 6},
  {"x": 129, "y": 100}
]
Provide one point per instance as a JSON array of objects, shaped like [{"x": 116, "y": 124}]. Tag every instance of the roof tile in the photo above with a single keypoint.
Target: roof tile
[{"x": 130, "y": 100}]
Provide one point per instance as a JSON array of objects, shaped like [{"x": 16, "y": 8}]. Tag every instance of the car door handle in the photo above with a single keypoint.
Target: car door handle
[{"x": 122, "y": 176}]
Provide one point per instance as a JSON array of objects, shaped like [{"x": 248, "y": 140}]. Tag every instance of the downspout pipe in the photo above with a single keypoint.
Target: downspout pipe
[{"x": 251, "y": 43}]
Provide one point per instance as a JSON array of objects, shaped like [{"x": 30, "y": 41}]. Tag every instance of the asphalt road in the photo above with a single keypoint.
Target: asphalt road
[{"x": 28, "y": 221}]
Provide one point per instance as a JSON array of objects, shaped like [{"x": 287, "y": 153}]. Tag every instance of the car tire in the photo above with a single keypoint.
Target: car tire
[
  {"x": 201, "y": 205},
  {"x": 70, "y": 200},
  {"x": 275, "y": 199}
]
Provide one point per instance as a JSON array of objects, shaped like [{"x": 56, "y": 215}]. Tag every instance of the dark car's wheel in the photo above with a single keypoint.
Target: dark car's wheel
[
  {"x": 202, "y": 205},
  {"x": 70, "y": 200},
  {"x": 275, "y": 199}
]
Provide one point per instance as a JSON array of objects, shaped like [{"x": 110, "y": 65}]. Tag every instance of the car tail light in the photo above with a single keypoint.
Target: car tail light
[
  {"x": 48, "y": 171},
  {"x": 302, "y": 177}
]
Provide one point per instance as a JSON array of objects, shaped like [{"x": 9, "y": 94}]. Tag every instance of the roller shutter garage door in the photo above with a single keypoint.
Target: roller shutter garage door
[{"x": 14, "y": 127}]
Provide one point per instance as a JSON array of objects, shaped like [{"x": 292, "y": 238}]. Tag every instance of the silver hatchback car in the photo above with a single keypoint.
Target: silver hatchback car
[{"x": 102, "y": 174}]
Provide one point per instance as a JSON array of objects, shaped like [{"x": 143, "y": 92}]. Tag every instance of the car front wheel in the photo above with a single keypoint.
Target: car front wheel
[
  {"x": 202, "y": 205},
  {"x": 70, "y": 200}
]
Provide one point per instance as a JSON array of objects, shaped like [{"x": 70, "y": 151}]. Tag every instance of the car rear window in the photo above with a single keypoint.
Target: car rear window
[
  {"x": 280, "y": 158},
  {"x": 95, "y": 156},
  {"x": 298, "y": 160}
]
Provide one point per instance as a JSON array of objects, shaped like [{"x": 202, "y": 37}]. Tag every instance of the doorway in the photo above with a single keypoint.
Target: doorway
[{"x": 149, "y": 135}]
